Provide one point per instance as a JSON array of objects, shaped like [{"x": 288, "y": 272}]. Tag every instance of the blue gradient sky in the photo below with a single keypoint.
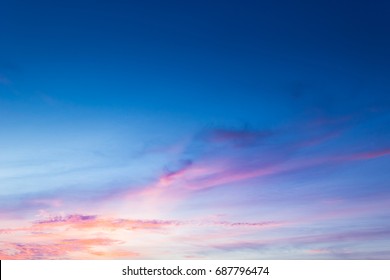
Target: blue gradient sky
[{"x": 194, "y": 129}]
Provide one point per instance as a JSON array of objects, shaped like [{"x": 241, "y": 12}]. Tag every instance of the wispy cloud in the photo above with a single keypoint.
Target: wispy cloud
[{"x": 81, "y": 222}]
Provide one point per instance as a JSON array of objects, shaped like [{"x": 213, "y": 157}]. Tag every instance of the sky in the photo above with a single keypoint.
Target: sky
[{"x": 194, "y": 129}]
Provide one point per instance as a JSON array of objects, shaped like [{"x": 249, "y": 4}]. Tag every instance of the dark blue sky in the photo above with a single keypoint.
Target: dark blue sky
[
  {"x": 200, "y": 118},
  {"x": 193, "y": 56}
]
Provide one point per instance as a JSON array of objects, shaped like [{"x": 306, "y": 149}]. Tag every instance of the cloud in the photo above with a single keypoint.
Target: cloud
[
  {"x": 318, "y": 251},
  {"x": 83, "y": 222},
  {"x": 220, "y": 170},
  {"x": 61, "y": 249},
  {"x": 150, "y": 224},
  {"x": 58, "y": 237},
  {"x": 365, "y": 155},
  {"x": 236, "y": 137},
  {"x": 204, "y": 165},
  {"x": 356, "y": 235},
  {"x": 333, "y": 242}
]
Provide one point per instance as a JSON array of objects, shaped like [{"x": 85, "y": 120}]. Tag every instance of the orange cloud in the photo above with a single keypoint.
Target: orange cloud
[
  {"x": 84, "y": 222},
  {"x": 60, "y": 249}
]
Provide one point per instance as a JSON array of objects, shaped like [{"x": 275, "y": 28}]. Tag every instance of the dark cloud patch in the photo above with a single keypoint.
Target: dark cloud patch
[{"x": 236, "y": 137}]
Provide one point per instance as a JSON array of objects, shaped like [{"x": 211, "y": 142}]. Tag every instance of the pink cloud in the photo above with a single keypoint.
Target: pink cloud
[
  {"x": 58, "y": 237},
  {"x": 83, "y": 222},
  {"x": 367, "y": 155},
  {"x": 59, "y": 249},
  {"x": 88, "y": 222},
  {"x": 318, "y": 251}
]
